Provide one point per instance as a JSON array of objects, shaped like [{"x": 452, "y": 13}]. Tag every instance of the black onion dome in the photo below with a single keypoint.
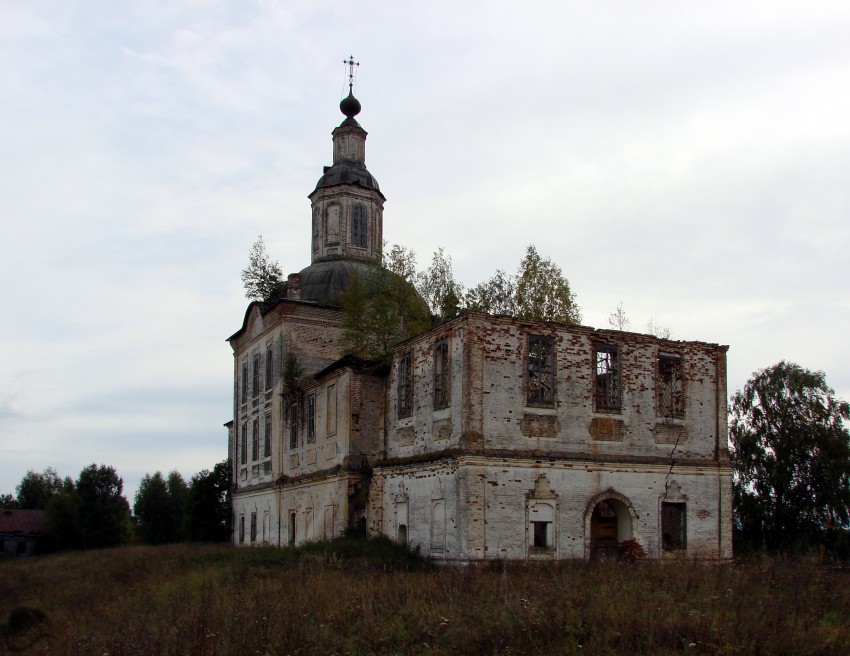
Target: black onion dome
[
  {"x": 348, "y": 173},
  {"x": 350, "y": 106},
  {"x": 324, "y": 282}
]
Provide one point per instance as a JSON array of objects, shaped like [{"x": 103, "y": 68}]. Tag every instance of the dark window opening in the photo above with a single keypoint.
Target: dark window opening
[
  {"x": 311, "y": 419},
  {"x": 671, "y": 387},
  {"x": 541, "y": 535},
  {"x": 673, "y": 526},
  {"x": 244, "y": 382},
  {"x": 291, "y": 529},
  {"x": 405, "y": 386},
  {"x": 253, "y": 527},
  {"x": 402, "y": 533},
  {"x": 242, "y": 529},
  {"x": 244, "y": 443},
  {"x": 441, "y": 374},
  {"x": 255, "y": 376},
  {"x": 541, "y": 371},
  {"x": 255, "y": 440},
  {"x": 269, "y": 369},
  {"x": 358, "y": 225},
  {"x": 607, "y": 379},
  {"x": 267, "y": 436},
  {"x": 293, "y": 426}
]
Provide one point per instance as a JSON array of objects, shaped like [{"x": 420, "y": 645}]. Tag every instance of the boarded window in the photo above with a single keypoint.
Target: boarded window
[
  {"x": 607, "y": 379},
  {"x": 311, "y": 419},
  {"x": 442, "y": 379},
  {"x": 405, "y": 386},
  {"x": 267, "y": 436},
  {"x": 293, "y": 426},
  {"x": 255, "y": 439},
  {"x": 332, "y": 233},
  {"x": 255, "y": 375},
  {"x": 540, "y": 371},
  {"x": 671, "y": 387},
  {"x": 673, "y": 526},
  {"x": 358, "y": 225},
  {"x": 269, "y": 369}
]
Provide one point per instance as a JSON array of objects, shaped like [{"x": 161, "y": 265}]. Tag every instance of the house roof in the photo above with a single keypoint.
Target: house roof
[{"x": 22, "y": 522}]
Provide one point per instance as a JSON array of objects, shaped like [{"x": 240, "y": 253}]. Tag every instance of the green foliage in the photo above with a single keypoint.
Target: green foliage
[
  {"x": 209, "y": 504},
  {"x": 790, "y": 452},
  {"x": 542, "y": 291},
  {"x": 438, "y": 287},
  {"x": 263, "y": 277},
  {"x": 380, "y": 312},
  {"x": 160, "y": 508},
  {"x": 496, "y": 296},
  {"x": 104, "y": 513},
  {"x": 9, "y": 501},
  {"x": 35, "y": 490}
]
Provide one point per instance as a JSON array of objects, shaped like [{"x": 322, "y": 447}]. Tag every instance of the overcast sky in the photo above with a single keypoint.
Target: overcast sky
[{"x": 688, "y": 159}]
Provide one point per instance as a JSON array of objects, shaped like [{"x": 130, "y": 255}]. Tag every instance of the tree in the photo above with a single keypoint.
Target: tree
[
  {"x": 542, "y": 291},
  {"x": 438, "y": 287},
  {"x": 104, "y": 514},
  {"x": 657, "y": 330},
  {"x": 263, "y": 278},
  {"x": 35, "y": 490},
  {"x": 8, "y": 501},
  {"x": 209, "y": 504},
  {"x": 383, "y": 309},
  {"x": 160, "y": 508},
  {"x": 496, "y": 296},
  {"x": 790, "y": 453},
  {"x": 618, "y": 319}
]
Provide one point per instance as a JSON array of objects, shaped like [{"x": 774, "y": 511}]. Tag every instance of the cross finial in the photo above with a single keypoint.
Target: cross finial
[{"x": 351, "y": 64}]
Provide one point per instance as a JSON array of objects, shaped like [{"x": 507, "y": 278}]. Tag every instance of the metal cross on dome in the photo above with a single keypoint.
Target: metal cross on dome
[{"x": 351, "y": 64}]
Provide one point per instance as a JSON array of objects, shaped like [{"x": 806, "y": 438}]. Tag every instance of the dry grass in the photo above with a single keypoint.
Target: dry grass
[{"x": 222, "y": 601}]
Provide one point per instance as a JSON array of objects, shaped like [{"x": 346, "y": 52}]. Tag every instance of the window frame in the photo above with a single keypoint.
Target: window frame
[
  {"x": 269, "y": 368},
  {"x": 311, "y": 419},
  {"x": 404, "y": 385},
  {"x": 536, "y": 370},
  {"x": 442, "y": 374},
  {"x": 267, "y": 435},
  {"x": 359, "y": 226},
  {"x": 293, "y": 426},
  {"x": 255, "y": 439},
  {"x": 607, "y": 392},
  {"x": 244, "y": 445},
  {"x": 679, "y": 542},
  {"x": 255, "y": 375},
  {"x": 670, "y": 390},
  {"x": 244, "y": 393}
]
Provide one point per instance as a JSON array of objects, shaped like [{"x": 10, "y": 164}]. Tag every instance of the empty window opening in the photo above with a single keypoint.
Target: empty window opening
[
  {"x": 402, "y": 533},
  {"x": 541, "y": 371},
  {"x": 607, "y": 379},
  {"x": 441, "y": 374},
  {"x": 267, "y": 436},
  {"x": 269, "y": 369},
  {"x": 255, "y": 376},
  {"x": 358, "y": 225},
  {"x": 540, "y": 535},
  {"x": 244, "y": 382},
  {"x": 244, "y": 443},
  {"x": 255, "y": 440},
  {"x": 253, "y": 527},
  {"x": 311, "y": 419},
  {"x": 671, "y": 387},
  {"x": 291, "y": 529},
  {"x": 405, "y": 386},
  {"x": 673, "y": 526},
  {"x": 241, "y": 529}
]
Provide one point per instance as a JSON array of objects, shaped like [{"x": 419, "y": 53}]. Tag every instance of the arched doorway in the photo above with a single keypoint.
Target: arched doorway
[{"x": 610, "y": 524}]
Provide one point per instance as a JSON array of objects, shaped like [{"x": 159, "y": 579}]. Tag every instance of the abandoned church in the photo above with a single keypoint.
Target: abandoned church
[{"x": 485, "y": 437}]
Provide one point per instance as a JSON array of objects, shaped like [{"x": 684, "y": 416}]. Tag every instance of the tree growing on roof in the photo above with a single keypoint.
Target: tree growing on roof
[{"x": 263, "y": 277}]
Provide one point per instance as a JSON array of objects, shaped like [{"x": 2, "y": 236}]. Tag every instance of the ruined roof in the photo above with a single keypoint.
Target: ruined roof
[
  {"x": 348, "y": 173},
  {"x": 22, "y": 522}
]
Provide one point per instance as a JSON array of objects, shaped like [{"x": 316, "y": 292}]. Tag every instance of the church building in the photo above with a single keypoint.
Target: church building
[{"x": 485, "y": 437}]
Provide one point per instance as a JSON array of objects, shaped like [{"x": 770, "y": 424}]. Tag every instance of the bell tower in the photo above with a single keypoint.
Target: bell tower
[{"x": 347, "y": 203}]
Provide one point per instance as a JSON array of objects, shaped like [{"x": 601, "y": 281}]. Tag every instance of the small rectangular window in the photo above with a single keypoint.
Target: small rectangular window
[
  {"x": 253, "y": 527},
  {"x": 541, "y": 535},
  {"x": 255, "y": 376},
  {"x": 267, "y": 436},
  {"x": 293, "y": 426},
  {"x": 244, "y": 443},
  {"x": 311, "y": 419},
  {"x": 673, "y": 526},
  {"x": 442, "y": 378},
  {"x": 255, "y": 440},
  {"x": 541, "y": 371},
  {"x": 607, "y": 379},
  {"x": 671, "y": 388},
  {"x": 269, "y": 369},
  {"x": 405, "y": 386}
]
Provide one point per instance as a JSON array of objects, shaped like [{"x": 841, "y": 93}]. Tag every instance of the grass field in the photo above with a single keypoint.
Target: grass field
[{"x": 351, "y": 599}]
